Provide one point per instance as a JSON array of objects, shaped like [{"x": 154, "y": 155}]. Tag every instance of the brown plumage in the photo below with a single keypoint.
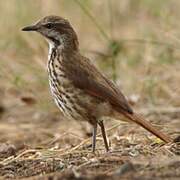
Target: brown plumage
[{"x": 79, "y": 89}]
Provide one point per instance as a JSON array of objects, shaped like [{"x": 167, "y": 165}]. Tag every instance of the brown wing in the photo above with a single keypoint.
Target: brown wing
[{"x": 85, "y": 75}]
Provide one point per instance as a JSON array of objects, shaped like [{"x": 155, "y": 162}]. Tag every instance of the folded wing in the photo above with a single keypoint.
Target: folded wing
[{"x": 85, "y": 76}]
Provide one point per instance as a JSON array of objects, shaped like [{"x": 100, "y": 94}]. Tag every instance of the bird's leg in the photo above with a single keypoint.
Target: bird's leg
[
  {"x": 103, "y": 131},
  {"x": 94, "y": 137}
]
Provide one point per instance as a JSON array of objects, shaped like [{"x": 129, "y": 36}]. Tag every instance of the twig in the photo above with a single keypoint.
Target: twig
[
  {"x": 12, "y": 158},
  {"x": 90, "y": 161},
  {"x": 63, "y": 135}
]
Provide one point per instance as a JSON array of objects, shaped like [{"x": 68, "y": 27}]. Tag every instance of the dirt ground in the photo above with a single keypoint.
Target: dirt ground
[{"x": 43, "y": 145}]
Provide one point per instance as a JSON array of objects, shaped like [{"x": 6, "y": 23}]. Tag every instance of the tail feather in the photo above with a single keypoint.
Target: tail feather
[{"x": 142, "y": 122}]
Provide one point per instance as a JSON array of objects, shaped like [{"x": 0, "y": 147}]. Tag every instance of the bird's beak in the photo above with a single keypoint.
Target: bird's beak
[{"x": 30, "y": 28}]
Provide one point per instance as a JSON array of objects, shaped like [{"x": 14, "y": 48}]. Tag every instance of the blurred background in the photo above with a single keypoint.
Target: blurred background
[{"x": 136, "y": 43}]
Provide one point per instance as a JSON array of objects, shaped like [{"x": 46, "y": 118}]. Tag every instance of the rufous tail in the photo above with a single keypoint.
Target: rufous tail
[{"x": 142, "y": 122}]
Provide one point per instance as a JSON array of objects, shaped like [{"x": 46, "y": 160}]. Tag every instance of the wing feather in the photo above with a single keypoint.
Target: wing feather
[{"x": 85, "y": 75}]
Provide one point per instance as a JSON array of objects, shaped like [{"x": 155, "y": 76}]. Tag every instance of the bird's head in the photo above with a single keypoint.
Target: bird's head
[{"x": 56, "y": 30}]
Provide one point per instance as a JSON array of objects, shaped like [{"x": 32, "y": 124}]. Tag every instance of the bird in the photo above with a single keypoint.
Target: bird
[{"x": 79, "y": 89}]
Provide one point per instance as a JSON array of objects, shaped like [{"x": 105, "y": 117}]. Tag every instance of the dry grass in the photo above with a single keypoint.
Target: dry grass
[{"x": 135, "y": 43}]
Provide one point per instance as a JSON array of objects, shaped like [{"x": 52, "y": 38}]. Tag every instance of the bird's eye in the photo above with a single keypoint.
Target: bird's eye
[{"x": 48, "y": 25}]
